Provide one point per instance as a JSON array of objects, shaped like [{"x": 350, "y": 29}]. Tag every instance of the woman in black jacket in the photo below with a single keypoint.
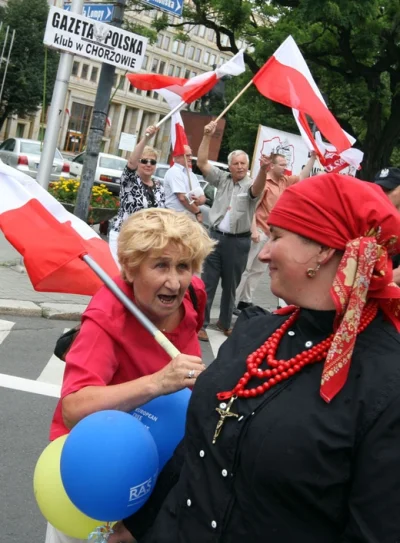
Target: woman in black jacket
[{"x": 293, "y": 433}]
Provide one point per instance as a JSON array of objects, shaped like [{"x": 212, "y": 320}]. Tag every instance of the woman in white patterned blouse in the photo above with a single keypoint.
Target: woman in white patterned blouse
[{"x": 138, "y": 189}]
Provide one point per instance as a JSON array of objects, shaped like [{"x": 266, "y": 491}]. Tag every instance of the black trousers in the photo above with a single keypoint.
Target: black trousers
[{"x": 227, "y": 262}]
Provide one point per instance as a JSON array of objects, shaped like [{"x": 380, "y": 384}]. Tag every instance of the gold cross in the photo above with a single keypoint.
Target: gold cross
[{"x": 224, "y": 413}]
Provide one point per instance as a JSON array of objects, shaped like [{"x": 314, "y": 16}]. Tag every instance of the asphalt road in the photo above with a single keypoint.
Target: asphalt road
[{"x": 29, "y": 380}]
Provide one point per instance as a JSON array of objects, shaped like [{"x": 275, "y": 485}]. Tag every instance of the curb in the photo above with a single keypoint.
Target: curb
[{"x": 52, "y": 311}]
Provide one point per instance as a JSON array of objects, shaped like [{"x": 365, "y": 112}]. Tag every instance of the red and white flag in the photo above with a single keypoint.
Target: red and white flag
[
  {"x": 192, "y": 89},
  {"x": 50, "y": 239},
  {"x": 286, "y": 78},
  {"x": 178, "y": 134}
]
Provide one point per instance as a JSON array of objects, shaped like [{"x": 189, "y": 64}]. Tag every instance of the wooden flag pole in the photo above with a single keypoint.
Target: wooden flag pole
[
  {"x": 187, "y": 171},
  {"x": 168, "y": 115},
  {"x": 228, "y": 107}
]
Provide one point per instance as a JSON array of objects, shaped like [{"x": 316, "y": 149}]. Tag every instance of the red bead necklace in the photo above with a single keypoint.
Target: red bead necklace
[{"x": 279, "y": 370}]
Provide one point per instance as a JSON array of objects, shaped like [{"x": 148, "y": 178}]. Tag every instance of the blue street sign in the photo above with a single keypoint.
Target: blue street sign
[
  {"x": 100, "y": 12},
  {"x": 173, "y": 7}
]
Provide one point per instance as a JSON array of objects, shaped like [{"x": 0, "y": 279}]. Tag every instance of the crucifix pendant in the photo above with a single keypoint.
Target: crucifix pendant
[{"x": 224, "y": 413}]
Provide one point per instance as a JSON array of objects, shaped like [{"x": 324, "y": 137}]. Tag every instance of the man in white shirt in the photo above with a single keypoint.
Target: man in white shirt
[{"x": 177, "y": 186}]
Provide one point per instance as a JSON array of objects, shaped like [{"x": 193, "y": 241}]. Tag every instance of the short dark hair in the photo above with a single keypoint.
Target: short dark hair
[{"x": 274, "y": 156}]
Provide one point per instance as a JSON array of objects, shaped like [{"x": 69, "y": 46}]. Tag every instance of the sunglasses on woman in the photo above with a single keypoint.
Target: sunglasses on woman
[{"x": 148, "y": 161}]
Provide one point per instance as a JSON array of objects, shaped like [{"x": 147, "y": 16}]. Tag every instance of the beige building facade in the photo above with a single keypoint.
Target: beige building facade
[{"x": 131, "y": 110}]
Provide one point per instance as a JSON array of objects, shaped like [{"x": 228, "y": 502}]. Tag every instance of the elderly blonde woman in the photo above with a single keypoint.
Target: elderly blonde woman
[
  {"x": 138, "y": 189},
  {"x": 114, "y": 363}
]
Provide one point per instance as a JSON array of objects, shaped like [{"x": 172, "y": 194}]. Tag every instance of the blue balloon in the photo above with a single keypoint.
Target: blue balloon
[
  {"x": 109, "y": 465},
  {"x": 165, "y": 417}
]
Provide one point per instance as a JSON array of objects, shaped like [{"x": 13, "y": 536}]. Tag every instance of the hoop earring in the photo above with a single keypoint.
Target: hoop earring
[{"x": 312, "y": 272}]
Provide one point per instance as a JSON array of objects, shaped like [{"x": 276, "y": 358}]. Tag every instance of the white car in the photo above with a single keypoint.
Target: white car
[
  {"x": 108, "y": 172},
  {"x": 160, "y": 172},
  {"x": 24, "y": 155}
]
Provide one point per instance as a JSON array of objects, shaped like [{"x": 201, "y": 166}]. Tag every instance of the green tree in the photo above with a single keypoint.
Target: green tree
[
  {"x": 352, "y": 49},
  {"x": 23, "y": 89}
]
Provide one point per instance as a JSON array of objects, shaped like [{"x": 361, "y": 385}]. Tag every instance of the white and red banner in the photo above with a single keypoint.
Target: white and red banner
[
  {"x": 286, "y": 78},
  {"x": 292, "y": 147},
  {"x": 50, "y": 239},
  {"x": 192, "y": 89},
  {"x": 330, "y": 158}
]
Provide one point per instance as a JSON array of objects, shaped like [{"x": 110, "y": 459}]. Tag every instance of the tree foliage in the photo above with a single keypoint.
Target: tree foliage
[
  {"x": 23, "y": 89},
  {"x": 352, "y": 49}
]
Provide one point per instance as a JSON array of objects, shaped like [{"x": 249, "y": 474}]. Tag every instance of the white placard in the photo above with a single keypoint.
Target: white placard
[
  {"x": 127, "y": 142},
  {"x": 271, "y": 140},
  {"x": 88, "y": 38}
]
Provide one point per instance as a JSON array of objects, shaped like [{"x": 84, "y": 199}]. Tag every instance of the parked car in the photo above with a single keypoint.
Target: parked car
[
  {"x": 160, "y": 172},
  {"x": 108, "y": 172},
  {"x": 24, "y": 155}
]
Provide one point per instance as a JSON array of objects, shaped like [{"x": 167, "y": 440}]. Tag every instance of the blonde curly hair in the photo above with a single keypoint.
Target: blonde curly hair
[{"x": 151, "y": 230}]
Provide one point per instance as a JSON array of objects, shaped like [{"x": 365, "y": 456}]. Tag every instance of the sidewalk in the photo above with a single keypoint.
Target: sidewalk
[{"x": 17, "y": 296}]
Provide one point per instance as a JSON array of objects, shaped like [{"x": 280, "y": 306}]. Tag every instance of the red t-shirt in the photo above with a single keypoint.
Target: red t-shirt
[{"x": 112, "y": 347}]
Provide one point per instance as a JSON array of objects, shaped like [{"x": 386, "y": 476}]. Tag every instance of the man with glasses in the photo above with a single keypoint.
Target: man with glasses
[{"x": 182, "y": 188}]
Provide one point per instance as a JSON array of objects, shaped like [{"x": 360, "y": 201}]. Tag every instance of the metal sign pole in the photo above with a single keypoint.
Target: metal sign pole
[
  {"x": 56, "y": 110},
  {"x": 98, "y": 123}
]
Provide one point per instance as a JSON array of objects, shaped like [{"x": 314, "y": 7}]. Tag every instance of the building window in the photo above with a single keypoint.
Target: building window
[
  {"x": 175, "y": 46},
  {"x": 196, "y": 30},
  {"x": 121, "y": 82},
  {"x": 181, "y": 49},
  {"x": 94, "y": 73},
  {"x": 154, "y": 64},
  {"x": 171, "y": 69},
  {"x": 191, "y": 52},
  {"x": 178, "y": 71},
  {"x": 206, "y": 57},
  {"x": 159, "y": 40},
  {"x": 155, "y": 95},
  {"x": 187, "y": 74},
  {"x": 210, "y": 34},
  {"x": 166, "y": 42},
  {"x": 193, "y": 74},
  {"x": 115, "y": 81},
  {"x": 161, "y": 68},
  {"x": 212, "y": 60},
  {"x": 197, "y": 56},
  {"x": 85, "y": 71},
  {"x": 138, "y": 91},
  {"x": 202, "y": 31},
  {"x": 148, "y": 93},
  {"x": 145, "y": 62},
  {"x": 75, "y": 68},
  {"x": 20, "y": 130}
]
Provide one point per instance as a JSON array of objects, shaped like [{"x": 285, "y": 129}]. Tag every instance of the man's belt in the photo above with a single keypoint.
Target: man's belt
[{"x": 229, "y": 235}]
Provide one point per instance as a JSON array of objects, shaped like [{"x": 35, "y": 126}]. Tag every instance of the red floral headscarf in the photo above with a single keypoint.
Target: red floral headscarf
[{"x": 358, "y": 218}]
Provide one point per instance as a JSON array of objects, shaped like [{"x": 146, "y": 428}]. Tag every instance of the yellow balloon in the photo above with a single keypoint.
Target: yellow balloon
[{"x": 52, "y": 499}]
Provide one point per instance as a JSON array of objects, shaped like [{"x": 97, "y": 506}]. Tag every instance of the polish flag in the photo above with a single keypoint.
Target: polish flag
[
  {"x": 178, "y": 134},
  {"x": 286, "y": 78},
  {"x": 50, "y": 240},
  {"x": 192, "y": 89}
]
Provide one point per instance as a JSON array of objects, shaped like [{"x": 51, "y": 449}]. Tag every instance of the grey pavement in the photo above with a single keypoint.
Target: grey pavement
[{"x": 17, "y": 296}]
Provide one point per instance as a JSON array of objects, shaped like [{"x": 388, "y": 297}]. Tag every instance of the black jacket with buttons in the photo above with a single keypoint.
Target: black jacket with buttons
[{"x": 291, "y": 469}]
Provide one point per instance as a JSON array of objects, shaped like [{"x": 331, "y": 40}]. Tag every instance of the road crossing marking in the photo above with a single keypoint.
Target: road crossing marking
[
  {"x": 53, "y": 372},
  {"x": 5, "y": 329},
  {"x": 29, "y": 385}
]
